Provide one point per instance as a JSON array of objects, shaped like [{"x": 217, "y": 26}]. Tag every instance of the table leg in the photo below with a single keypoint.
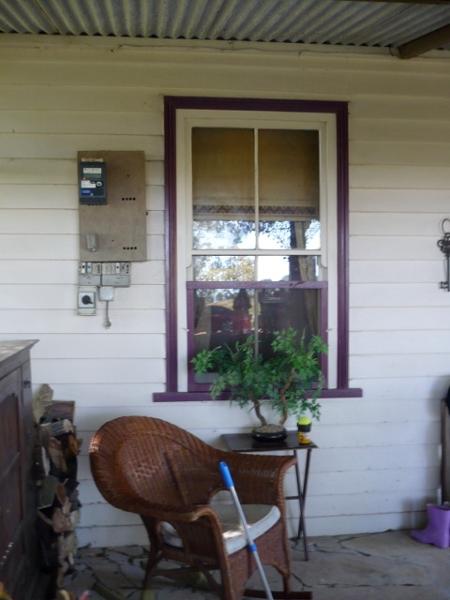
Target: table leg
[{"x": 302, "y": 489}]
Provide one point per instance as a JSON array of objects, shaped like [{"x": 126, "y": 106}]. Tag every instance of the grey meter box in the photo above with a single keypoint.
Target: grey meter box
[{"x": 114, "y": 230}]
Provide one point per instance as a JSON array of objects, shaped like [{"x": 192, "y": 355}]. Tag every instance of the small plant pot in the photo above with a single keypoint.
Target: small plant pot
[
  {"x": 304, "y": 425},
  {"x": 269, "y": 433}
]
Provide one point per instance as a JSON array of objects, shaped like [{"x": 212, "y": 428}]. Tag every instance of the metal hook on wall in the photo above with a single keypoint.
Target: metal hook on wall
[{"x": 444, "y": 247}]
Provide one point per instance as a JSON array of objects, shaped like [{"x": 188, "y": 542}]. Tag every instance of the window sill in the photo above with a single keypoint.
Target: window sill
[{"x": 204, "y": 396}]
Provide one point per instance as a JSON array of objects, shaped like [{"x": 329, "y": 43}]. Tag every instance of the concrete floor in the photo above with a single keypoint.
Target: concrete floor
[{"x": 385, "y": 566}]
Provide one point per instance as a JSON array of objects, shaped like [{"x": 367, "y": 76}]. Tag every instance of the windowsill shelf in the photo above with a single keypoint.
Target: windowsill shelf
[{"x": 205, "y": 396}]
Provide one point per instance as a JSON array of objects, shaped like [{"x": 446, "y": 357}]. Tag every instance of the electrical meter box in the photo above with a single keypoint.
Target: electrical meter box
[
  {"x": 112, "y": 229},
  {"x": 92, "y": 181}
]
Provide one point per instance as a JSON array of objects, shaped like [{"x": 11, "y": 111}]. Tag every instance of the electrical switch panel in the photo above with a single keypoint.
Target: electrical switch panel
[
  {"x": 116, "y": 274},
  {"x": 90, "y": 273}
]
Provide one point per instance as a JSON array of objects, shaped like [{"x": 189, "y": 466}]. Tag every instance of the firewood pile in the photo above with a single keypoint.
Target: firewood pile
[{"x": 56, "y": 476}]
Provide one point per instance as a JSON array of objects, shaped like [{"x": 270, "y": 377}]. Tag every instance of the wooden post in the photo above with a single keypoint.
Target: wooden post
[
  {"x": 429, "y": 41},
  {"x": 445, "y": 461}
]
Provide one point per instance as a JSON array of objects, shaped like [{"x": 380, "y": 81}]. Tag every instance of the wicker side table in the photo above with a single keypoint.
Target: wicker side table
[{"x": 244, "y": 442}]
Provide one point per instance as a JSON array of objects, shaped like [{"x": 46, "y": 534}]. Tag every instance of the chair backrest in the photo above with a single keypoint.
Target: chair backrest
[{"x": 140, "y": 461}]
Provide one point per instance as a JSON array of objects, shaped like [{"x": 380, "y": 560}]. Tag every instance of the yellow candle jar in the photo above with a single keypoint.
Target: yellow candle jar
[{"x": 303, "y": 427}]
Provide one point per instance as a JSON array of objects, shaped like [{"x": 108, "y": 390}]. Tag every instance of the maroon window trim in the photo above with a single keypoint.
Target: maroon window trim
[{"x": 340, "y": 110}]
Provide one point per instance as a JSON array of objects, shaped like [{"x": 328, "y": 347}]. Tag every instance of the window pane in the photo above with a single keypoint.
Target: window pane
[
  {"x": 279, "y": 235},
  {"x": 225, "y": 316},
  {"x": 224, "y": 268},
  {"x": 223, "y": 188},
  {"x": 280, "y": 308},
  {"x": 289, "y": 189},
  {"x": 288, "y": 268},
  {"x": 222, "y": 316}
]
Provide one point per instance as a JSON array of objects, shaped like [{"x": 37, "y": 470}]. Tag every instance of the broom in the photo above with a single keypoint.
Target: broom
[{"x": 229, "y": 484}]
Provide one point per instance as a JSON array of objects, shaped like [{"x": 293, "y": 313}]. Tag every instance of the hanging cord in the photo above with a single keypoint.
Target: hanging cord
[{"x": 107, "y": 322}]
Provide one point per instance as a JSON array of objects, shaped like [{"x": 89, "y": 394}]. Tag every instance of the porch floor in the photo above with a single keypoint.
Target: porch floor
[{"x": 388, "y": 566}]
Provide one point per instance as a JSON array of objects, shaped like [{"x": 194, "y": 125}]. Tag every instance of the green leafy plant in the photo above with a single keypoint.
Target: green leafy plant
[{"x": 290, "y": 379}]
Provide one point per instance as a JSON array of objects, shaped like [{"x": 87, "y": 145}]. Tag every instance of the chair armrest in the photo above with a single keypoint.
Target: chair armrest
[
  {"x": 181, "y": 514},
  {"x": 199, "y": 529},
  {"x": 259, "y": 479},
  {"x": 175, "y": 516}
]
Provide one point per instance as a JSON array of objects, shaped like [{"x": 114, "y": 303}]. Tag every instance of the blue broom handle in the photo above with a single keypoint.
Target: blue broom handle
[{"x": 229, "y": 484}]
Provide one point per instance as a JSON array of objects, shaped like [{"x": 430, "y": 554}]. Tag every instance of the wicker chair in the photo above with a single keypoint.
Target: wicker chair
[{"x": 168, "y": 476}]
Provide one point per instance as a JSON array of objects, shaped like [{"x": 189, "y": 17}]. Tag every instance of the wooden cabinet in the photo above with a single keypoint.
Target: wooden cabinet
[{"x": 19, "y": 564}]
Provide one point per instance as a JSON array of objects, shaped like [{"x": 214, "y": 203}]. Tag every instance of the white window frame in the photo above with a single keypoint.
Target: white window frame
[{"x": 325, "y": 124}]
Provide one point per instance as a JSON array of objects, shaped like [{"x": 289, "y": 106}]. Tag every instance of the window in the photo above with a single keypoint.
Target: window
[{"x": 257, "y": 230}]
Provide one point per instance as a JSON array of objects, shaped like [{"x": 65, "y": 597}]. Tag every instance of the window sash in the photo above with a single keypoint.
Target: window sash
[
  {"x": 187, "y": 120},
  {"x": 192, "y": 286},
  {"x": 303, "y": 201}
]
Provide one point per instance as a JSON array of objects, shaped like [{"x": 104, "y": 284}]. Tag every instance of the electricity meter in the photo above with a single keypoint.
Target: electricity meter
[{"x": 92, "y": 175}]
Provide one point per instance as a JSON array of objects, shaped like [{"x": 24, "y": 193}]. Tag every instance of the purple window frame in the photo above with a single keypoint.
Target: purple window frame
[{"x": 340, "y": 110}]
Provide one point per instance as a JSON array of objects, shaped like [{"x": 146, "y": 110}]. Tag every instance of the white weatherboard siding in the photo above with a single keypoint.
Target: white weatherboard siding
[{"x": 379, "y": 455}]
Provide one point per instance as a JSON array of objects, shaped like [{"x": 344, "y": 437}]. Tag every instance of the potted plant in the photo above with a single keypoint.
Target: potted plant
[{"x": 289, "y": 379}]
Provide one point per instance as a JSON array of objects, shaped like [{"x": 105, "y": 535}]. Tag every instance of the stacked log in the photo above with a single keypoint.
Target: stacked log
[{"x": 56, "y": 475}]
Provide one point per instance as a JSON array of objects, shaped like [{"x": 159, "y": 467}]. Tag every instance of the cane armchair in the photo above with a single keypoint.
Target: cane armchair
[{"x": 168, "y": 477}]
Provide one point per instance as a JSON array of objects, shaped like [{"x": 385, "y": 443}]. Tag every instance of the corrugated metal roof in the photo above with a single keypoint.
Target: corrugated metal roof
[{"x": 360, "y": 23}]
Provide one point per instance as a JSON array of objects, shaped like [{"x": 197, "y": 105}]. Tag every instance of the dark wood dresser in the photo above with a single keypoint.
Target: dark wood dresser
[{"x": 19, "y": 563}]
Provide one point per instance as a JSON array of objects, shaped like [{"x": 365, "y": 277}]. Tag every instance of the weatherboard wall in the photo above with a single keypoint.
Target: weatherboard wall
[{"x": 378, "y": 461}]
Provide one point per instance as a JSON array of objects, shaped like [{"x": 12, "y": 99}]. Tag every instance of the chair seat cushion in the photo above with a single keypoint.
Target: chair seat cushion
[{"x": 260, "y": 518}]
